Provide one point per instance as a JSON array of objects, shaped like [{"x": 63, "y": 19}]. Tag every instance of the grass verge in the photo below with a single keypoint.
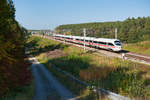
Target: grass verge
[{"x": 140, "y": 47}]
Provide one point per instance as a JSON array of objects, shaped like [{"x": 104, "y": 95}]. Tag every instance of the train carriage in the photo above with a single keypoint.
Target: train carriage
[{"x": 105, "y": 43}]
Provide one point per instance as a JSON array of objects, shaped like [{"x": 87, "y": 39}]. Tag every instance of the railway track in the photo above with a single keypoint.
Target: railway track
[
  {"x": 138, "y": 57},
  {"x": 128, "y": 55}
]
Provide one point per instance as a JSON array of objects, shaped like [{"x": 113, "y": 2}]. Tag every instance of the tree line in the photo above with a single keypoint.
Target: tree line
[
  {"x": 130, "y": 30},
  {"x": 13, "y": 68}
]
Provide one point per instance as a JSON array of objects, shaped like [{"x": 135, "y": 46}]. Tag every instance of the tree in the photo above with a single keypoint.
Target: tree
[
  {"x": 127, "y": 30},
  {"x": 12, "y": 66}
]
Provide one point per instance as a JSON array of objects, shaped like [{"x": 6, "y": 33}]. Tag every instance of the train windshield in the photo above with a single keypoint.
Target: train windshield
[{"x": 117, "y": 43}]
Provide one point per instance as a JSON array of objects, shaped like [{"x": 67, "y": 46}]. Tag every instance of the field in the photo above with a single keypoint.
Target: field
[
  {"x": 124, "y": 77},
  {"x": 140, "y": 47}
]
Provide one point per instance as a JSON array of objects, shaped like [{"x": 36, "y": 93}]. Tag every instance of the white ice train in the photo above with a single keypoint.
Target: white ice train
[{"x": 104, "y": 43}]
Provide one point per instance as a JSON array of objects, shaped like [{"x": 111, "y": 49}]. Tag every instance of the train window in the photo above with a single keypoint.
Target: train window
[
  {"x": 104, "y": 43},
  {"x": 117, "y": 43},
  {"x": 100, "y": 42},
  {"x": 95, "y": 41},
  {"x": 110, "y": 44},
  {"x": 86, "y": 41}
]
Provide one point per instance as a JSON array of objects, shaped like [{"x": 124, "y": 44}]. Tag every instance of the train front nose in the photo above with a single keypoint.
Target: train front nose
[{"x": 118, "y": 48}]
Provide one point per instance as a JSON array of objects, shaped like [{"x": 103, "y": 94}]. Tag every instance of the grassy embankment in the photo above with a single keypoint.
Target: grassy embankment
[
  {"x": 123, "y": 77},
  {"x": 140, "y": 47}
]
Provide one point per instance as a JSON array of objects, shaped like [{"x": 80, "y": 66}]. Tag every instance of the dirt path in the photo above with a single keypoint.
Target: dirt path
[{"x": 46, "y": 86}]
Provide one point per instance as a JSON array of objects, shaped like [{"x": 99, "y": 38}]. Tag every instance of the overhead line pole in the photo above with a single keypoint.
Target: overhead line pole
[
  {"x": 115, "y": 33},
  {"x": 84, "y": 32}
]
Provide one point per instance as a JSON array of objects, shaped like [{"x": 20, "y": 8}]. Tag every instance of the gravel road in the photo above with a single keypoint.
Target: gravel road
[{"x": 46, "y": 86}]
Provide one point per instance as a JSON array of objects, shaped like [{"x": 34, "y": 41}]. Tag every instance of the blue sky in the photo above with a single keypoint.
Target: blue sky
[{"x": 48, "y": 14}]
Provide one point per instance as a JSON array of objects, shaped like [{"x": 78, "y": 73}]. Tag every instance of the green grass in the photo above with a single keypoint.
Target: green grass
[
  {"x": 39, "y": 45},
  {"x": 117, "y": 75},
  {"x": 140, "y": 47}
]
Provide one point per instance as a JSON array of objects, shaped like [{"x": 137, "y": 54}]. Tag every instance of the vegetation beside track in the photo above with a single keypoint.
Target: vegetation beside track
[
  {"x": 139, "y": 47},
  {"x": 124, "y": 77}
]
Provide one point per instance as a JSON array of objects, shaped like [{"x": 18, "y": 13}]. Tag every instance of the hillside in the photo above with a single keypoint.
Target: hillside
[{"x": 130, "y": 30}]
